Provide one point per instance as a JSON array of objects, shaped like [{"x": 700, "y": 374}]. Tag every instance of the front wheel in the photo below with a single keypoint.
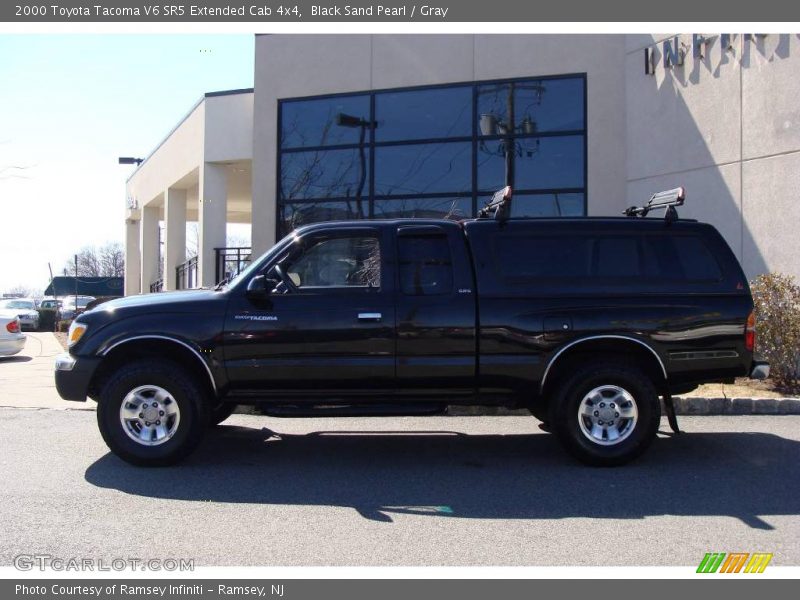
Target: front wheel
[
  {"x": 606, "y": 414},
  {"x": 151, "y": 413}
]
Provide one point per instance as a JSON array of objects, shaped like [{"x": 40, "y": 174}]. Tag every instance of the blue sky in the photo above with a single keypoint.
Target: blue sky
[{"x": 70, "y": 105}]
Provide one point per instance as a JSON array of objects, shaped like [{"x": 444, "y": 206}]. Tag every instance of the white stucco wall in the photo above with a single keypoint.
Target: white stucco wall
[{"x": 728, "y": 128}]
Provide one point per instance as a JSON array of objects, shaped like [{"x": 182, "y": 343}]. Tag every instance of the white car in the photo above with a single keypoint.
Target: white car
[
  {"x": 12, "y": 340},
  {"x": 25, "y": 308}
]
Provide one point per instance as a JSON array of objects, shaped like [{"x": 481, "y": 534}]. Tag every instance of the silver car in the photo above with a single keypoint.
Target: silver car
[
  {"x": 71, "y": 306},
  {"x": 25, "y": 308}
]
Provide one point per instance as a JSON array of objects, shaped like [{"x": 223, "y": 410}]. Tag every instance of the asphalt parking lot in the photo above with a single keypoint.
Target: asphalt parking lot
[{"x": 400, "y": 491}]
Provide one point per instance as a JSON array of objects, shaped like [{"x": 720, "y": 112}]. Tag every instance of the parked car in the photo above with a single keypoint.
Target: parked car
[
  {"x": 25, "y": 309},
  {"x": 12, "y": 340},
  {"x": 71, "y": 306},
  {"x": 584, "y": 321},
  {"x": 49, "y": 304}
]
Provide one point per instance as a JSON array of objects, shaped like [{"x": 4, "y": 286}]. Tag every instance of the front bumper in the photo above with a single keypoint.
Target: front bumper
[
  {"x": 759, "y": 370},
  {"x": 73, "y": 376}
]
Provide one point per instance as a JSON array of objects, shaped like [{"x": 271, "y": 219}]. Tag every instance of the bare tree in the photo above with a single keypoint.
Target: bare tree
[
  {"x": 25, "y": 291},
  {"x": 108, "y": 261},
  {"x": 111, "y": 258}
]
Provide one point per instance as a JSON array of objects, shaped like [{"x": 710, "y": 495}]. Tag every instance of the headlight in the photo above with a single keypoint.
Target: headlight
[{"x": 76, "y": 331}]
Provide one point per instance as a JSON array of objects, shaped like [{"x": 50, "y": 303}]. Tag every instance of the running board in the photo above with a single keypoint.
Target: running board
[{"x": 352, "y": 410}]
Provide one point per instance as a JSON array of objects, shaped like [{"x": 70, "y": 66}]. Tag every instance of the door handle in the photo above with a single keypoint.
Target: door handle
[{"x": 369, "y": 316}]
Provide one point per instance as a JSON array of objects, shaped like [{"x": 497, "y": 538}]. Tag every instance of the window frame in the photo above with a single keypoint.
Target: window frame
[
  {"x": 313, "y": 238},
  {"x": 475, "y": 139}
]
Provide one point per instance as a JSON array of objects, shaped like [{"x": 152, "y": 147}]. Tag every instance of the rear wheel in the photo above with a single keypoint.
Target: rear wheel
[
  {"x": 151, "y": 413},
  {"x": 606, "y": 414}
]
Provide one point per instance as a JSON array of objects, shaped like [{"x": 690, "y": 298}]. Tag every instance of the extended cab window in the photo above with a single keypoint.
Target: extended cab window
[
  {"x": 338, "y": 262},
  {"x": 426, "y": 267}
]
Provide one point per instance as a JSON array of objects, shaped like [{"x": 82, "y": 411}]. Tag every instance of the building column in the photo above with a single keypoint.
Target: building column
[
  {"x": 174, "y": 234},
  {"x": 212, "y": 218},
  {"x": 149, "y": 246},
  {"x": 133, "y": 263}
]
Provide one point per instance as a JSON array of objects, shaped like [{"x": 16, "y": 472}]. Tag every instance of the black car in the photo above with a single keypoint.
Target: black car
[{"x": 584, "y": 321}]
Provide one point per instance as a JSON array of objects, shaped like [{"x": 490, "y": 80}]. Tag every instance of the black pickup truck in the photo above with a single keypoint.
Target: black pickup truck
[{"x": 584, "y": 321}]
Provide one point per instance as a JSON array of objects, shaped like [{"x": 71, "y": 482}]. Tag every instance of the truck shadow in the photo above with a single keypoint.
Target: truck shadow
[{"x": 448, "y": 474}]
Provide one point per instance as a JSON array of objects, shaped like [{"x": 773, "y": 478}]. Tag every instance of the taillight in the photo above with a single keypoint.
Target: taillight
[
  {"x": 750, "y": 332},
  {"x": 12, "y": 326}
]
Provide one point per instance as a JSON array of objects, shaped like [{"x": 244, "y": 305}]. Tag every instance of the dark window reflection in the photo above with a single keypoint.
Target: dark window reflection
[
  {"x": 491, "y": 165},
  {"x": 383, "y": 157},
  {"x": 293, "y": 216},
  {"x": 426, "y": 268},
  {"x": 424, "y": 114},
  {"x": 423, "y": 168},
  {"x": 549, "y": 162},
  {"x": 424, "y": 208},
  {"x": 324, "y": 174},
  {"x": 558, "y": 204},
  {"x": 313, "y": 122},
  {"x": 538, "y": 106},
  {"x": 540, "y": 163}
]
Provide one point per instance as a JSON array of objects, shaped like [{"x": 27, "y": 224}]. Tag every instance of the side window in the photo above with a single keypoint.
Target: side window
[
  {"x": 349, "y": 262},
  {"x": 426, "y": 267}
]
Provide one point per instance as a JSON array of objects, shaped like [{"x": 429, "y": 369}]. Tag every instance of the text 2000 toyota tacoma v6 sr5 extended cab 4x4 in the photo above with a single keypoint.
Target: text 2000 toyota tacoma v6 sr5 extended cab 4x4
[{"x": 585, "y": 321}]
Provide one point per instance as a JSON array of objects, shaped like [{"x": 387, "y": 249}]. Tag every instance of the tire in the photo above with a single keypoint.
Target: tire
[
  {"x": 145, "y": 390},
  {"x": 597, "y": 391},
  {"x": 220, "y": 413}
]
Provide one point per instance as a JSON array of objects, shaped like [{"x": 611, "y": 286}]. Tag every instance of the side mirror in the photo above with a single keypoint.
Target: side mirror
[{"x": 259, "y": 287}]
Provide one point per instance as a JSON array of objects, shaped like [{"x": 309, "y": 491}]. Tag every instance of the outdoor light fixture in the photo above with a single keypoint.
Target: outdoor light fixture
[
  {"x": 345, "y": 120},
  {"x": 129, "y": 160}
]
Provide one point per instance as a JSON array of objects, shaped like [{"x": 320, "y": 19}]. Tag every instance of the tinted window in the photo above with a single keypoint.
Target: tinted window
[
  {"x": 610, "y": 256},
  {"x": 562, "y": 204},
  {"x": 418, "y": 152},
  {"x": 424, "y": 114},
  {"x": 313, "y": 122},
  {"x": 337, "y": 262},
  {"x": 696, "y": 260},
  {"x": 539, "y": 106},
  {"x": 423, "y": 168},
  {"x": 541, "y": 163},
  {"x": 298, "y": 214},
  {"x": 324, "y": 174},
  {"x": 424, "y": 208},
  {"x": 426, "y": 268},
  {"x": 549, "y": 163}
]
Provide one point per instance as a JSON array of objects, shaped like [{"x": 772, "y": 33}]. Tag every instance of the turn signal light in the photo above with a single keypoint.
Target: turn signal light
[
  {"x": 75, "y": 333},
  {"x": 750, "y": 332},
  {"x": 12, "y": 326}
]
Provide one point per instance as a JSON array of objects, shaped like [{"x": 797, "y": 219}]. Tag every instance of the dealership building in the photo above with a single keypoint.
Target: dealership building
[{"x": 387, "y": 126}]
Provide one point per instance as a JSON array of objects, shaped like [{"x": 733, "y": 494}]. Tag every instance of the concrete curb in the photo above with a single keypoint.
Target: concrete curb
[
  {"x": 737, "y": 406},
  {"x": 683, "y": 406}
]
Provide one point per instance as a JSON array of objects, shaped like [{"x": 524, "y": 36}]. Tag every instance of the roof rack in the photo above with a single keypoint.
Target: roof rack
[
  {"x": 499, "y": 206},
  {"x": 667, "y": 200}
]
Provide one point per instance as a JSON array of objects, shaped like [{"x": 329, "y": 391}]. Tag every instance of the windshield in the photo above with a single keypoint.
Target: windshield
[
  {"x": 82, "y": 302},
  {"x": 18, "y": 304}
]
